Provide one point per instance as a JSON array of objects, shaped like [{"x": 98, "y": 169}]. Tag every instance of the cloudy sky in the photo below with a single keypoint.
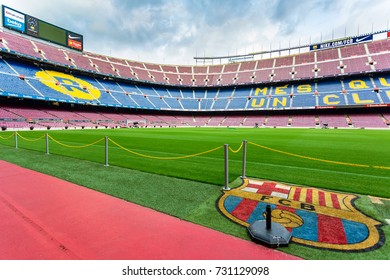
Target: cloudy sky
[{"x": 174, "y": 31}]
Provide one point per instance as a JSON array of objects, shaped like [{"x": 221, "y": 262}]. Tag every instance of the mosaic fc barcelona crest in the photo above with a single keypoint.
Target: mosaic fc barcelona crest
[{"x": 315, "y": 217}]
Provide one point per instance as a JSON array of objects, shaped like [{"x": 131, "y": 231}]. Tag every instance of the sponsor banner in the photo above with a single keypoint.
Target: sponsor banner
[
  {"x": 35, "y": 27},
  {"x": 388, "y": 34},
  {"x": 32, "y": 27},
  {"x": 325, "y": 107},
  {"x": 341, "y": 42},
  {"x": 13, "y": 19},
  {"x": 75, "y": 41},
  {"x": 376, "y": 105}
]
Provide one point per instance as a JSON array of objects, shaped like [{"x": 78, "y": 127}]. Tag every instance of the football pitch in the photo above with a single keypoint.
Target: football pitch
[{"x": 180, "y": 171}]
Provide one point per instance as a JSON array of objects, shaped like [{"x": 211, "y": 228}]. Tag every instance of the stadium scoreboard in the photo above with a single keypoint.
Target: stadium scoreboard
[{"x": 32, "y": 26}]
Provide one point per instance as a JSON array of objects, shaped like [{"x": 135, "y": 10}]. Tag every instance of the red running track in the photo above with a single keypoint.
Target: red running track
[{"x": 43, "y": 217}]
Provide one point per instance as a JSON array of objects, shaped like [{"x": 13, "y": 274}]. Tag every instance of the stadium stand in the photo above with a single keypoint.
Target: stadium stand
[
  {"x": 333, "y": 120},
  {"x": 30, "y": 113},
  {"x": 303, "y": 121},
  {"x": 216, "y": 121},
  {"x": 277, "y": 121},
  {"x": 253, "y": 121},
  {"x": 17, "y": 77},
  {"x": 355, "y": 57},
  {"x": 346, "y": 77},
  {"x": 66, "y": 115},
  {"x": 234, "y": 121},
  {"x": 373, "y": 120}
]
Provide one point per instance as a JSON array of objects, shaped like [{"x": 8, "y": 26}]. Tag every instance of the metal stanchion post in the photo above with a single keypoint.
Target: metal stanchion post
[
  {"x": 106, "y": 152},
  {"x": 268, "y": 217},
  {"x": 16, "y": 139},
  {"x": 47, "y": 143},
  {"x": 226, "y": 153},
  {"x": 243, "y": 176}
]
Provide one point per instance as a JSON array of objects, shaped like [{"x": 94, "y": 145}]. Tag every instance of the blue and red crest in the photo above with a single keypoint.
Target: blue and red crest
[{"x": 315, "y": 217}]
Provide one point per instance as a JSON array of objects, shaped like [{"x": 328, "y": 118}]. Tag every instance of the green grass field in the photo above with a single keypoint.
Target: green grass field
[{"x": 353, "y": 161}]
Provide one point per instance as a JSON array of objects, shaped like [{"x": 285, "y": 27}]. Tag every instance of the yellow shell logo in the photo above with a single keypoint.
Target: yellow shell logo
[{"x": 68, "y": 85}]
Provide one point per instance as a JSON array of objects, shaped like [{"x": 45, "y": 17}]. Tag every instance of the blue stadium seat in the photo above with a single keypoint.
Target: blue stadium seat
[
  {"x": 225, "y": 92},
  {"x": 147, "y": 90},
  {"x": 206, "y": 103},
  {"x": 332, "y": 99},
  {"x": 187, "y": 93},
  {"x": 4, "y": 68},
  {"x": 49, "y": 93},
  {"x": 333, "y": 86},
  {"x": 124, "y": 99},
  {"x": 142, "y": 101},
  {"x": 362, "y": 97},
  {"x": 175, "y": 93},
  {"x": 242, "y": 92},
  {"x": 111, "y": 86},
  {"x": 211, "y": 93},
  {"x": 16, "y": 85},
  {"x": 23, "y": 68},
  {"x": 220, "y": 103},
  {"x": 200, "y": 94},
  {"x": 190, "y": 103},
  {"x": 129, "y": 88},
  {"x": 385, "y": 96},
  {"x": 158, "y": 102},
  {"x": 238, "y": 103},
  {"x": 173, "y": 103}
]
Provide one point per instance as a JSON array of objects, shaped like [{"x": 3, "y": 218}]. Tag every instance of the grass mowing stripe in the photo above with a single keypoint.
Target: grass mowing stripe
[
  {"x": 307, "y": 142},
  {"x": 318, "y": 169},
  {"x": 368, "y": 147}
]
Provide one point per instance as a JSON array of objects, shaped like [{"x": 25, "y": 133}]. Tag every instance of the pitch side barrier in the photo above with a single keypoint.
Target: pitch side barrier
[{"x": 243, "y": 147}]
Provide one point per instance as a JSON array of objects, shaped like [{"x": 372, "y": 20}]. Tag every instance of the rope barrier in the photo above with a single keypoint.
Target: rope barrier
[
  {"x": 236, "y": 151},
  {"x": 30, "y": 140},
  {"x": 163, "y": 158},
  {"x": 382, "y": 167},
  {"x": 75, "y": 147},
  {"x": 306, "y": 157},
  {"x": 9, "y": 137},
  {"x": 15, "y": 134}
]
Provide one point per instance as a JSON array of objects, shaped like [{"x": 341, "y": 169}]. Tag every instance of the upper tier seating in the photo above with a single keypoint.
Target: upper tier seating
[
  {"x": 371, "y": 56},
  {"x": 24, "y": 80}
]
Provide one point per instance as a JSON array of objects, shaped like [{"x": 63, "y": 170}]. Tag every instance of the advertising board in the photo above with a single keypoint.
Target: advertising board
[
  {"x": 32, "y": 26},
  {"x": 13, "y": 19}
]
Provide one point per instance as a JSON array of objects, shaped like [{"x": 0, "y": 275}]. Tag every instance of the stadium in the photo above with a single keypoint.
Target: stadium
[{"x": 304, "y": 129}]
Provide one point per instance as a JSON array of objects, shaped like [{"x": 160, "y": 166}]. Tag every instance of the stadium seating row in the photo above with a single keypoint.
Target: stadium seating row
[
  {"x": 367, "y": 57},
  {"x": 18, "y": 117},
  {"x": 23, "y": 80}
]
